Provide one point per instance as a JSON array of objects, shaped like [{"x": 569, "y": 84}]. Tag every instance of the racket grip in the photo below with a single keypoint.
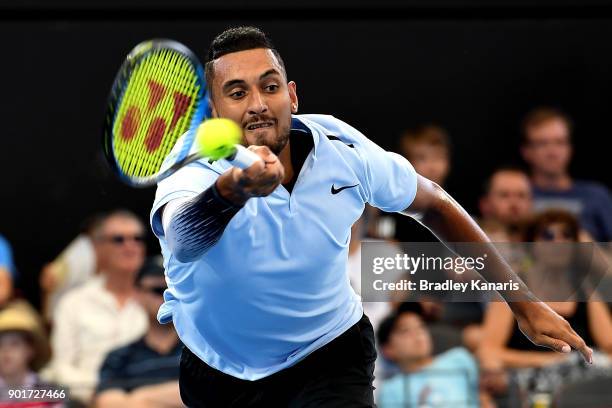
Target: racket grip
[{"x": 243, "y": 157}]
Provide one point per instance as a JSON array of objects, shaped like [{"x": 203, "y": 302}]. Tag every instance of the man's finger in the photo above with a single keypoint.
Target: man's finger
[
  {"x": 554, "y": 344},
  {"x": 577, "y": 343},
  {"x": 571, "y": 341},
  {"x": 262, "y": 151},
  {"x": 255, "y": 169},
  {"x": 265, "y": 153}
]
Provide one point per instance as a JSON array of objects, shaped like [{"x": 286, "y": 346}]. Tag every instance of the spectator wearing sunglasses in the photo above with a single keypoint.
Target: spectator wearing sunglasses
[
  {"x": 552, "y": 235},
  {"x": 103, "y": 313},
  {"x": 144, "y": 373}
]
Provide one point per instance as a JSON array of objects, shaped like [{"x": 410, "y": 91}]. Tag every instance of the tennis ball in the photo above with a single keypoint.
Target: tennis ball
[{"x": 217, "y": 137}]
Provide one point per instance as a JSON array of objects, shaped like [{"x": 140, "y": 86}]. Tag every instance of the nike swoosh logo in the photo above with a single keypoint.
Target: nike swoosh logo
[{"x": 335, "y": 190}]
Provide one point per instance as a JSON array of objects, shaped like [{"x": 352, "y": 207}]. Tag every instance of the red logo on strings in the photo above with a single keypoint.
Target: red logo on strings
[{"x": 158, "y": 125}]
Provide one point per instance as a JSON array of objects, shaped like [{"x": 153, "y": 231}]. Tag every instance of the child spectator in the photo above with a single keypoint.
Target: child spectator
[
  {"x": 24, "y": 349},
  {"x": 449, "y": 379}
]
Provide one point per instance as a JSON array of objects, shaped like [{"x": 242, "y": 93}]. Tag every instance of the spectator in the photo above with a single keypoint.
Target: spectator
[
  {"x": 507, "y": 199},
  {"x": 144, "y": 373},
  {"x": 546, "y": 147},
  {"x": 24, "y": 349},
  {"x": 72, "y": 267},
  {"x": 102, "y": 314},
  {"x": 7, "y": 271},
  {"x": 449, "y": 379},
  {"x": 428, "y": 150},
  {"x": 504, "y": 346}
]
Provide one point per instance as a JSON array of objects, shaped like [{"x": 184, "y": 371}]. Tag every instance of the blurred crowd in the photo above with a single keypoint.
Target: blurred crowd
[
  {"x": 466, "y": 354},
  {"x": 97, "y": 341}
]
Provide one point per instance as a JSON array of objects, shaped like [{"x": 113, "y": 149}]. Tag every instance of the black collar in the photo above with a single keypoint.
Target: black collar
[{"x": 301, "y": 144}]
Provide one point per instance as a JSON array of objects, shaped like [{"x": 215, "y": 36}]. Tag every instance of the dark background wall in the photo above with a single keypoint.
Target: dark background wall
[{"x": 474, "y": 67}]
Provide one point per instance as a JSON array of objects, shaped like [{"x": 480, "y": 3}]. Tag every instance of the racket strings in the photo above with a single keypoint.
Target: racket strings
[
  {"x": 167, "y": 64},
  {"x": 157, "y": 107},
  {"x": 182, "y": 80},
  {"x": 159, "y": 70}
]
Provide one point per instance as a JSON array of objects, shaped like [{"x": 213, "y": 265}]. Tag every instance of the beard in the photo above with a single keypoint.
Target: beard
[{"x": 277, "y": 144}]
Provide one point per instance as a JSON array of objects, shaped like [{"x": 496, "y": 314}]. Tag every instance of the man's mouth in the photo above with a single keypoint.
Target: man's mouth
[{"x": 260, "y": 125}]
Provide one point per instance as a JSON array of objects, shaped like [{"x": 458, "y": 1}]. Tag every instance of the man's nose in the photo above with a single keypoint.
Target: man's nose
[{"x": 257, "y": 103}]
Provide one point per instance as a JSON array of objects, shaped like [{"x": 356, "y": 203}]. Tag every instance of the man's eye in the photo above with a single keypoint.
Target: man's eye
[
  {"x": 237, "y": 94},
  {"x": 271, "y": 88}
]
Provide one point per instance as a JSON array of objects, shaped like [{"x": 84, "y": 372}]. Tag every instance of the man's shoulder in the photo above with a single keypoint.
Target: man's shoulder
[
  {"x": 85, "y": 291},
  {"x": 590, "y": 187},
  {"x": 329, "y": 125},
  {"x": 318, "y": 118}
]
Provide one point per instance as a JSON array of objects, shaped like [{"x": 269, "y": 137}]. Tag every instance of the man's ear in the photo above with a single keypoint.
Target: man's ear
[{"x": 292, "y": 87}]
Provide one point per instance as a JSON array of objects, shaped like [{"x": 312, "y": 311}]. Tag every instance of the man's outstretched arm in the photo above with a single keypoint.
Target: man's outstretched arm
[
  {"x": 451, "y": 223},
  {"x": 194, "y": 225}
]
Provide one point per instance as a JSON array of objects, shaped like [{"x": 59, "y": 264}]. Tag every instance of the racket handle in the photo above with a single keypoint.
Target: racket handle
[{"x": 243, "y": 157}]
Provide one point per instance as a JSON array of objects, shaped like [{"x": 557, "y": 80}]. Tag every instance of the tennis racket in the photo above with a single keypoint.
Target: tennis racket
[{"x": 155, "y": 106}]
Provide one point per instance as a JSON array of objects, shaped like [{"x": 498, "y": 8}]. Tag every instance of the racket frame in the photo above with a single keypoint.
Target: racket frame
[{"x": 116, "y": 97}]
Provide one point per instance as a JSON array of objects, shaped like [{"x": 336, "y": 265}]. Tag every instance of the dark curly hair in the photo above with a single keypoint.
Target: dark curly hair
[{"x": 234, "y": 40}]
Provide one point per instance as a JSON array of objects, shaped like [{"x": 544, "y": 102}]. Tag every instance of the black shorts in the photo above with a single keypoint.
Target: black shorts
[{"x": 339, "y": 374}]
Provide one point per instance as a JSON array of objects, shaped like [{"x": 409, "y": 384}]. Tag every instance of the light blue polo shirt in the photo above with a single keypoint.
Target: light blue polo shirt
[{"x": 274, "y": 288}]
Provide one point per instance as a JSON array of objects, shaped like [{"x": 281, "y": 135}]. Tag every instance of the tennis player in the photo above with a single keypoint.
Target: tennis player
[{"x": 256, "y": 259}]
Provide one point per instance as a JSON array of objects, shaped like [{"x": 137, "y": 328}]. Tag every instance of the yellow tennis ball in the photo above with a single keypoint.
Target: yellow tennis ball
[{"x": 217, "y": 137}]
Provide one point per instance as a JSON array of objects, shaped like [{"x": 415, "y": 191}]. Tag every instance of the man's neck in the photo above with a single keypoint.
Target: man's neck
[
  {"x": 415, "y": 365},
  {"x": 120, "y": 287},
  {"x": 561, "y": 181},
  {"x": 285, "y": 159},
  {"x": 161, "y": 337}
]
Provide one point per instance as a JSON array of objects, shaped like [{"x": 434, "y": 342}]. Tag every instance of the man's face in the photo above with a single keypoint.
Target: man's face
[
  {"x": 409, "y": 340},
  {"x": 548, "y": 150},
  {"x": 250, "y": 88},
  {"x": 430, "y": 161},
  {"x": 509, "y": 199},
  {"x": 120, "y": 246}
]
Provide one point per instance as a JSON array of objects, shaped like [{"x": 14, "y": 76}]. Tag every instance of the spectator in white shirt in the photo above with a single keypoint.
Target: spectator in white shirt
[{"x": 102, "y": 314}]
